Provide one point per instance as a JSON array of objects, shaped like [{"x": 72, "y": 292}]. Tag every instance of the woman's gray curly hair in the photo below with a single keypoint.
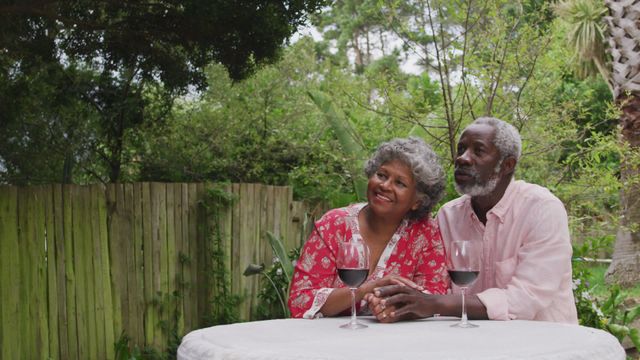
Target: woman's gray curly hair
[{"x": 423, "y": 162}]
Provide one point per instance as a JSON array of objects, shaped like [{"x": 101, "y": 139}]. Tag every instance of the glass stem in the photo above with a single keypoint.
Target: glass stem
[
  {"x": 464, "y": 307},
  {"x": 353, "y": 306}
]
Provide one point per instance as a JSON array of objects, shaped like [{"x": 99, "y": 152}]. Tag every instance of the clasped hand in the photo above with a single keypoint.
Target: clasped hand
[{"x": 400, "y": 301}]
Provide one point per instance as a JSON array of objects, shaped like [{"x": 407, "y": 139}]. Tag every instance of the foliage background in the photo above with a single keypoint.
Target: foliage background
[{"x": 75, "y": 120}]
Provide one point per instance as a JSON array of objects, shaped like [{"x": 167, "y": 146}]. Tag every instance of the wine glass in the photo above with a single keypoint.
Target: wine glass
[
  {"x": 463, "y": 267},
  {"x": 352, "y": 262}
]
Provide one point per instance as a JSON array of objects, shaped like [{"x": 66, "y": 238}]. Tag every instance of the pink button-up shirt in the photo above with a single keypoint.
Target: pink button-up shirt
[{"x": 526, "y": 267}]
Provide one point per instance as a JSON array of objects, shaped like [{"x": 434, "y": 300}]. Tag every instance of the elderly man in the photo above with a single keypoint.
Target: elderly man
[{"x": 526, "y": 267}]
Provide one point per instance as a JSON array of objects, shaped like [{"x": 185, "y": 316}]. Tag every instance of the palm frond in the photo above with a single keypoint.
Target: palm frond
[{"x": 586, "y": 35}]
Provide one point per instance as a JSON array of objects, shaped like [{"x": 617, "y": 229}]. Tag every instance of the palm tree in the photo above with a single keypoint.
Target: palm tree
[{"x": 606, "y": 38}]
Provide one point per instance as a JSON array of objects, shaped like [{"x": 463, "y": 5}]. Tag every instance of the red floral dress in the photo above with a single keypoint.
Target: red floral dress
[{"x": 415, "y": 252}]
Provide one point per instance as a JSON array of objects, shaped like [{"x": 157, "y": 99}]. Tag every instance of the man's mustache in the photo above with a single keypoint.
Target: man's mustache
[{"x": 466, "y": 172}]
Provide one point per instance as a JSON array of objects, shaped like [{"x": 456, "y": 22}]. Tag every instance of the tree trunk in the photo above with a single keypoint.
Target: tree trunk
[
  {"x": 67, "y": 169},
  {"x": 625, "y": 267}
]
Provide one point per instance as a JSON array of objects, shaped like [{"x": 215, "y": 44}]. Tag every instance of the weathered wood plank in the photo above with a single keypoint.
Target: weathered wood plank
[
  {"x": 193, "y": 255},
  {"x": 163, "y": 291},
  {"x": 247, "y": 248},
  {"x": 10, "y": 301},
  {"x": 157, "y": 227},
  {"x": 186, "y": 264},
  {"x": 68, "y": 196},
  {"x": 98, "y": 306},
  {"x": 79, "y": 260},
  {"x": 285, "y": 199},
  {"x": 38, "y": 255},
  {"x": 100, "y": 195},
  {"x": 52, "y": 272},
  {"x": 61, "y": 259},
  {"x": 262, "y": 252},
  {"x": 88, "y": 269},
  {"x": 120, "y": 238},
  {"x": 259, "y": 246},
  {"x": 116, "y": 259},
  {"x": 171, "y": 256},
  {"x": 138, "y": 261},
  {"x": 226, "y": 232},
  {"x": 270, "y": 218},
  {"x": 202, "y": 275},
  {"x": 147, "y": 204},
  {"x": 127, "y": 233},
  {"x": 236, "y": 285},
  {"x": 178, "y": 248},
  {"x": 29, "y": 265}
]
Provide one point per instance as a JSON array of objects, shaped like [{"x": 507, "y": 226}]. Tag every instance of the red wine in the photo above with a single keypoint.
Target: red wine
[
  {"x": 462, "y": 277},
  {"x": 353, "y": 277}
]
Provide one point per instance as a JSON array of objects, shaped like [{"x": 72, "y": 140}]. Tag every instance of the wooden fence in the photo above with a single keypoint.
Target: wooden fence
[{"x": 80, "y": 265}]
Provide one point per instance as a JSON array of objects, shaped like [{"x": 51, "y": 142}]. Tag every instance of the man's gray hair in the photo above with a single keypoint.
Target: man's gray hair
[
  {"x": 423, "y": 162},
  {"x": 506, "y": 139}
]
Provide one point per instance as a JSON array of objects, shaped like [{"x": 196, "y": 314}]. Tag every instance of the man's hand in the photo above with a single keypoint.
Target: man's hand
[
  {"x": 399, "y": 302},
  {"x": 379, "y": 310},
  {"x": 369, "y": 287}
]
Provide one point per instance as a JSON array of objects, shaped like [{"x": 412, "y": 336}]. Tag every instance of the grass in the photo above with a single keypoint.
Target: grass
[{"x": 601, "y": 290}]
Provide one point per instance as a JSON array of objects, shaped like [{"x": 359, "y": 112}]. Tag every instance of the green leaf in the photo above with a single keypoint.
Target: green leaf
[
  {"x": 281, "y": 253},
  {"x": 635, "y": 338},
  {"x": 619, "y": 331},
  {"x": 633, "y": 314},
  {"x": 611, "y": 302},
  {"x": 347, "y": 137}
]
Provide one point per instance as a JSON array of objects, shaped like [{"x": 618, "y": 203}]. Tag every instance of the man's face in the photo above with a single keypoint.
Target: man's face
[{"x": 477, "y": 164}]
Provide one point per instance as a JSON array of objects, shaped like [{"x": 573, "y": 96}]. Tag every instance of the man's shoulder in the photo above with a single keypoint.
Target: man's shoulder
[
  {"x": 534, "y": 192},
  {"x": 453, "y": 208},
  {"x": 455, "y": 203}
]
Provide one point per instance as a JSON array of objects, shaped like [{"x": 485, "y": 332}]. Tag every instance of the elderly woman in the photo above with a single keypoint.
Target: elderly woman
[{"x": 405, "y": 182}]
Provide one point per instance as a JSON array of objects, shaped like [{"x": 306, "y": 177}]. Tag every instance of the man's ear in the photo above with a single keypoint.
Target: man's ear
[{"x": 509, "y": 165}]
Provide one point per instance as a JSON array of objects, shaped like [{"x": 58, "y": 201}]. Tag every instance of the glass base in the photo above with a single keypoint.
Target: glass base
[
  {"x": 464, "y": 325},
  {"x": 353, "y": 326}
]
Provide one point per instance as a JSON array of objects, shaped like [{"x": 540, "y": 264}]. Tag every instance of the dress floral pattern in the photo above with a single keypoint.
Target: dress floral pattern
[{"x": 415, "y": 252}]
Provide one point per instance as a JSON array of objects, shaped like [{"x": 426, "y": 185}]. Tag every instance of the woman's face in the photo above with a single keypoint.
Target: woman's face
[{"x": 392, "y": 190}]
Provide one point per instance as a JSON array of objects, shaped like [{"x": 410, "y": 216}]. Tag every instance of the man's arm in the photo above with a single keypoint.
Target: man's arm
[{"x": 540, "y": 269}]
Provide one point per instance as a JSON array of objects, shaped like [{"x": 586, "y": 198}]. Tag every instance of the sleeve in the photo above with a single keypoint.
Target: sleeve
[
  {"x": 542, "y": 264},
  {"x": 431, "y": 270},
  {"x": 315, "y": 271}
]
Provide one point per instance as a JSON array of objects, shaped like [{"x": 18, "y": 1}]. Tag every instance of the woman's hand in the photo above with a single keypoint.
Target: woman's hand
[
  {"x": 369, "y": 287},
  {"x": 379, "y": 309},
  {"x": 398, "y": 302}
]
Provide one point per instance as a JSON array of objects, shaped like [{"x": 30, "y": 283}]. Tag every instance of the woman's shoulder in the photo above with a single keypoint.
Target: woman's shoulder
[
  {"x": 422, "y": 223},
  {"x": 341, "y": 213},
  {"x": 424, "y": 226}
]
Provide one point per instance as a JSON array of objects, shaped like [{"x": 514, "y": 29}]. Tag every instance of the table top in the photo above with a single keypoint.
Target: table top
[{"x": 420, "y": 339}]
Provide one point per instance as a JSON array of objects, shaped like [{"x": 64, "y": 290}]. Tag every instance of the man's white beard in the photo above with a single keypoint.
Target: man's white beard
[{"x": 476, "y": 189}]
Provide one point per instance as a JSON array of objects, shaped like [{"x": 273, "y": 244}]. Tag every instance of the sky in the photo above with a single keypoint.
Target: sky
[{"x": 409, "y": 65}]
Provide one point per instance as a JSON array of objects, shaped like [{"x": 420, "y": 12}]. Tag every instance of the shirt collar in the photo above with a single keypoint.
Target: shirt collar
[{"x": 500, "y": 209}]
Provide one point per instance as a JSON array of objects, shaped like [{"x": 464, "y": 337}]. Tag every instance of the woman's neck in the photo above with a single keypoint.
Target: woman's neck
[{"x": 377, "y": 229}]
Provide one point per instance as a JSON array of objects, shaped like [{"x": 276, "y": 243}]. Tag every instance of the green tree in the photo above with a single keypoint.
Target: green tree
[
  {"x": 46, "y": 127},
  {"x": 609, "y": 44},
  {"x": 356, "y": 27},
  {"x": 480, "y": 67},
  {"x": 134, "y": 46}
]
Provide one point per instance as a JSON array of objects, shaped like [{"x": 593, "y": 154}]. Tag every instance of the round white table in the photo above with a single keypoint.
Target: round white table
[{"x": 297, "y": 339}]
